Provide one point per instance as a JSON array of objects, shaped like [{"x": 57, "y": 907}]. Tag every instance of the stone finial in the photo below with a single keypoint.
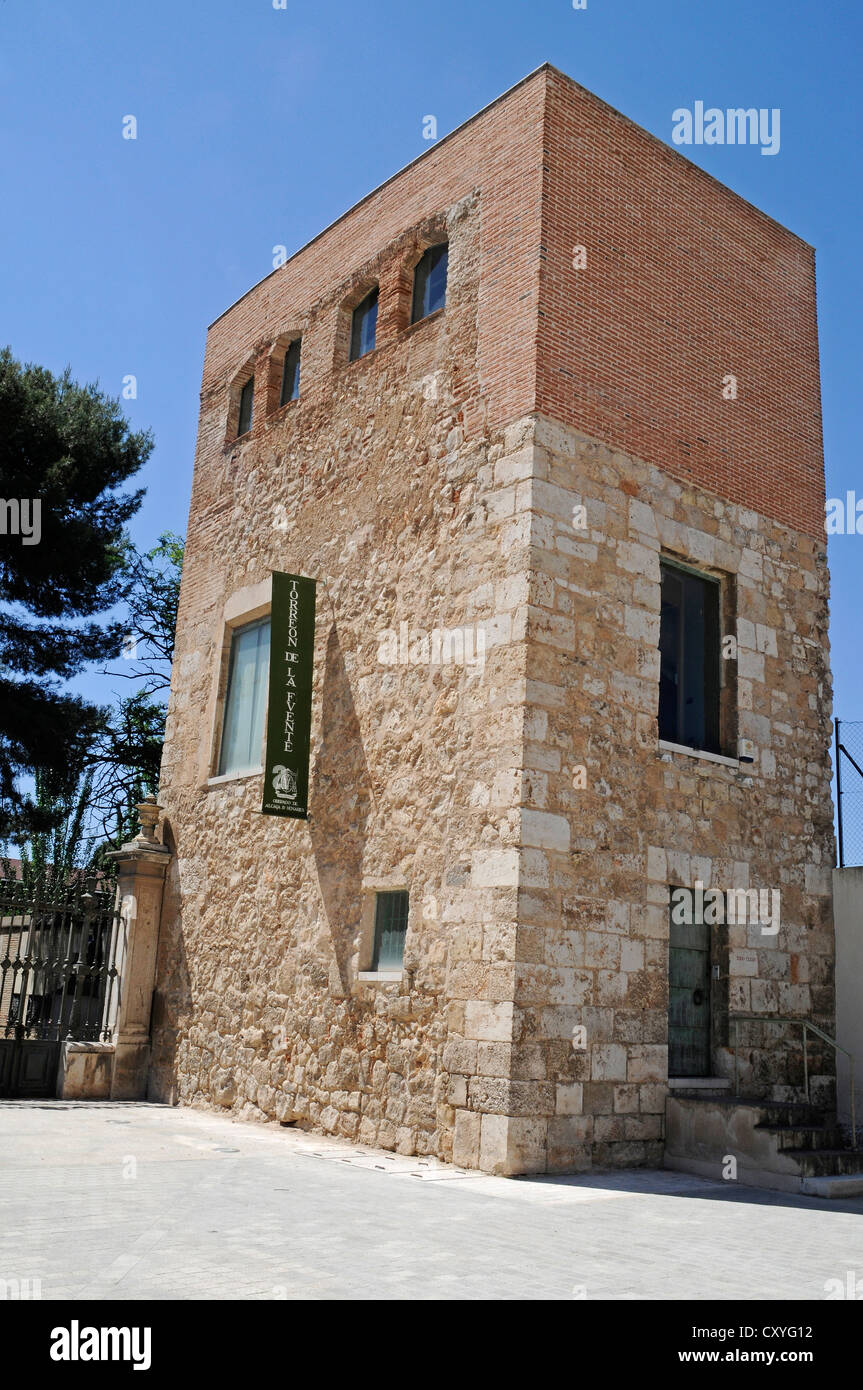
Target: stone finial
[
  {"x": 144, "y": 846},
  {"x": 148, "y": 816}
]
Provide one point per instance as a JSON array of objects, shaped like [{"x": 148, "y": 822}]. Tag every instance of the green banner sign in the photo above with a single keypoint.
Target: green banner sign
[{"x": 289, "y": 719}]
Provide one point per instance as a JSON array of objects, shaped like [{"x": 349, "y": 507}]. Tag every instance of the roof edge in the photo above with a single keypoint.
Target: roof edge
[
  {"x": 546, "y": 67},
  {"x": 671, "y": 149},
  {"x": 543, "y": 67}
]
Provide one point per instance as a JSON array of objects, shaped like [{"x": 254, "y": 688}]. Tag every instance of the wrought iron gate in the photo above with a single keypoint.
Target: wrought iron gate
[{"x": 57, "y": 978}]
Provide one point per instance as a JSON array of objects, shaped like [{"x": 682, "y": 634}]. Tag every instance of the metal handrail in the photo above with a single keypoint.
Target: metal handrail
[{"x": 807, "y": 1027}]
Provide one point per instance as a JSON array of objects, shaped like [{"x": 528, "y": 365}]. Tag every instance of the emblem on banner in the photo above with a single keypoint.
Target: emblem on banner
[{"x": 284, "y": 783}]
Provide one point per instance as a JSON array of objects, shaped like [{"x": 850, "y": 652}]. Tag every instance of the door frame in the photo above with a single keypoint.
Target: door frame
[{"x": 711, "y": 1030}]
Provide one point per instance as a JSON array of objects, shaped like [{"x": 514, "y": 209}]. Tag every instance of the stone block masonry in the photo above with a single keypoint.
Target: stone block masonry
[
  {"x": 516, "y": 463},
  {"x": 596, "y": 860}
]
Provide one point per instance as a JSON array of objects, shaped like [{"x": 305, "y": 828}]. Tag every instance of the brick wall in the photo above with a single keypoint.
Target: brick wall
[{"x": 684, "y": 283}]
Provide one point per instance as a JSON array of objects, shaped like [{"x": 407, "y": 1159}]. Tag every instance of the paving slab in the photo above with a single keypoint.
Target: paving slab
[{"x": 102, "y": 1200}]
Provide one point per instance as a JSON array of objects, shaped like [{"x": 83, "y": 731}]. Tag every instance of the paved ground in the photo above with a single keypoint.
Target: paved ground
[{"x": 144, "y": 1201}]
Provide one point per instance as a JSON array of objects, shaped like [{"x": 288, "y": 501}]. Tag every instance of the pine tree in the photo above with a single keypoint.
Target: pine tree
[{"x": 65, "y": 450}]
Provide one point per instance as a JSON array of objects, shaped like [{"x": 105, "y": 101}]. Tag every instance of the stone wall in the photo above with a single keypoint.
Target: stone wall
[
  {"x": 522, "y": 799},
  {"x": 610, "y": 819},
  {"x": 259, "y": 1003},
  {"x": 531, "y": 813}
]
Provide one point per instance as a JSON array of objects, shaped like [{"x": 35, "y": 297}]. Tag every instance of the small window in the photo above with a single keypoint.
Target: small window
[
  {"x": 291, "y": 374},
  {"x": 430, "y": 282},
  {"x": 247, "y": 397},
  {"x": 364, "y": 326},
  {"x": 246, "y": 699},
  {"x": 689, "y": 656},
  {"x": 391, "y": 924}
]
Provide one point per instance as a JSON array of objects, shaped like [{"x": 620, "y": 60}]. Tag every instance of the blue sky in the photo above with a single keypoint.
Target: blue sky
[{"x": 258, "y": 126}]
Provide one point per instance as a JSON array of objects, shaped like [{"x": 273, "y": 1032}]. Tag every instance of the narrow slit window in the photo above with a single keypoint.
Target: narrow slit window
[
  {"x": 689, "y": 659},
  {"x": 246, "y": 698},
  {"x": 391, "y": 924},
  {"x": 291, "y": 374},
  {"x": 364, "y": 326},
  {"x": 430, "y": 282},
  {"x": 247, "y": 399}
]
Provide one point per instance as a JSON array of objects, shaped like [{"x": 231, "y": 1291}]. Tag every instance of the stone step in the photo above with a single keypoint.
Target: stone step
[
  {"x": 703, "y": 1093},
  {"x": 793, "y": 1113},
  {"x": 826, "y": 1163},
  {"x": 790, "y": 1146},
  {"x": 805, "y": 1136},
  {"x": 847, "y": 1185},
  {"x": 774, "y": 1112}
]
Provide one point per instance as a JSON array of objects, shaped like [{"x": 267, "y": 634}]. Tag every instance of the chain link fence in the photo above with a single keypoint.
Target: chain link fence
[{"x": 849, "y": 790}]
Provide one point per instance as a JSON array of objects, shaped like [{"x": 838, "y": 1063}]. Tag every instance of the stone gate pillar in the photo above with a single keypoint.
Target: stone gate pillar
[{"x": 141, "y": 865}]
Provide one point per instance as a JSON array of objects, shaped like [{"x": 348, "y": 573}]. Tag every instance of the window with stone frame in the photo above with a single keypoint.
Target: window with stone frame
[
  {"x": 242, "y": 737},
  {"x": 391, "y": 924},
  {"x": 689, "y": 658}
]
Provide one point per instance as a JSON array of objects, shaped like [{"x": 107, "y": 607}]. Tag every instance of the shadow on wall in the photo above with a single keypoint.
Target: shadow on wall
[
  {"x": 172, "y": 997},
  {"x": 341, "y": 788}
]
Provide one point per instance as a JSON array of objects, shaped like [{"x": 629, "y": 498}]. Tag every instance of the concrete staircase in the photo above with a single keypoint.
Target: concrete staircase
[{"x": 785, "y": 1145}]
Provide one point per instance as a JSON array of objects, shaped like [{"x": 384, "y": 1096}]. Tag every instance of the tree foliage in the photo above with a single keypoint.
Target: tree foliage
[
  {"x": 69, "y": 448},
  {"x": 54, "y": 857},
  {"x": 128, "y": 751},
  {"x": 152, "y": 593}
]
